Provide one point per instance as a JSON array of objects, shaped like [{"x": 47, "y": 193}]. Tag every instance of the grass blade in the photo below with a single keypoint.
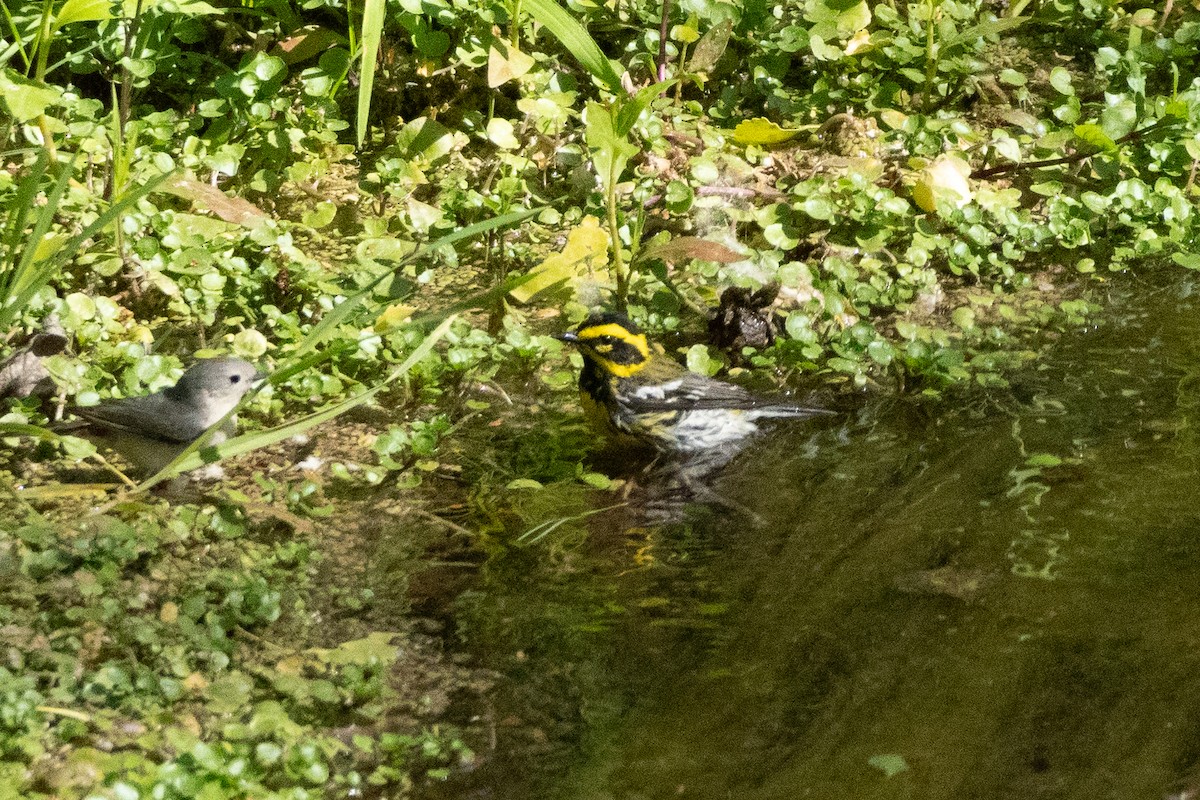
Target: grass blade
[
  {"x": 577, "y": 40},
  {"x": 372, "y": 34}
]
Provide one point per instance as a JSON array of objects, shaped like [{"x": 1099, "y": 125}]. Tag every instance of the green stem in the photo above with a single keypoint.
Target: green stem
[
  {"x": 614, "y": 233},
  {"x": 43, "y": 42},
  {"x": 664, "y": 29},
  {"x": 930, "y": 54},
  {"x": 16, "y": 35},
  {"x": 680, "y": 74}
]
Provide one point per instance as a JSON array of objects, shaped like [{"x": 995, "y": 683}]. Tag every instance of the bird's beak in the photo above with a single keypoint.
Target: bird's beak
[
  {"x": 567, "y": 336},
  {"x": 260, "y": 376}
]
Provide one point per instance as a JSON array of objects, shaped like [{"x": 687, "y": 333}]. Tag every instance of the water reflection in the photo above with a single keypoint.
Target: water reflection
[{"x": 999, "y": 600}]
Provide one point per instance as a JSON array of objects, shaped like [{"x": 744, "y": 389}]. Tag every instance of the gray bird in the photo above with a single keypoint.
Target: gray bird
[{"x": 150, "y": 431}]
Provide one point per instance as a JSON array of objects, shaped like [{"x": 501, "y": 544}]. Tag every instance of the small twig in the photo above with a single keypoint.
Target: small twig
[
  {"x": 454, "y": 526},
  {"x": 245, "y": 634},
  {"x": 664, "y": 29},
  {"x": 64, "y": 712},
  {"x": 1050, "y": 162},
  {"x": 1166, "y": 12},
  {"x": 741, "y": 192},
  {"x": 544, "y": 529}
]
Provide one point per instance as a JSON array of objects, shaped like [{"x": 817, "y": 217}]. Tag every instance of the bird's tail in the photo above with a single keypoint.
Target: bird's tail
[{"x": 788, "y": 410}]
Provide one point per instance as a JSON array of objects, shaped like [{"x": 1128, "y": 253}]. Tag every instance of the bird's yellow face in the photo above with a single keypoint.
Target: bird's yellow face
[{"x": 612, "y": 343}]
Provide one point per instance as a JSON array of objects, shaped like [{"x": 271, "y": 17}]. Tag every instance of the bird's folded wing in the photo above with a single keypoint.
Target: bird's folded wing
[
  {"x": 151, "y": 417},
  {"x": 696, "y": 393}
]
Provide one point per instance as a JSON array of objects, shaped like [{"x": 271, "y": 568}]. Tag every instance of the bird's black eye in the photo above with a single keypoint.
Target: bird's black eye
[{"x": 235, "y": 378}]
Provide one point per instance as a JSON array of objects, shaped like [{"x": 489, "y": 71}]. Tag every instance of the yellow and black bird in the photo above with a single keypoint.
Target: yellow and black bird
[{"x": 632, "y": 392}]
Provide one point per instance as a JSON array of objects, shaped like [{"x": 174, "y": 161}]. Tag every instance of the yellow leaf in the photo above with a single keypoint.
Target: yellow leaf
[
  {"x": 195, "y": 682},
  {"x": 588, "y": 241},
  {"x": 393, "y": 317},
  {"x": 506, "y": 63},
  {"x": 893, "y": 119},
  {"x": 169, "y": 612},
  {"x": 945, "y": 179},
  {"x": 858, "y": 42},
  {"x": 762, "y": 131},
  {"x": 291, "y": 665},
  {"x": 202, "y": 195},
  {"x": 586, "y": 249}
]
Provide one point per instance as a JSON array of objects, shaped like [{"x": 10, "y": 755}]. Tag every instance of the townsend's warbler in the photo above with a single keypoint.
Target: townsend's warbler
[{"x": 632, "y": 392}]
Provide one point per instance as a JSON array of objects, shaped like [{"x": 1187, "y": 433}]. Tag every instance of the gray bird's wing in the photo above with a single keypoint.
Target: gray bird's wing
[
  {"x": 153, "y": 416},
  {"x": 692, "y": 392}
]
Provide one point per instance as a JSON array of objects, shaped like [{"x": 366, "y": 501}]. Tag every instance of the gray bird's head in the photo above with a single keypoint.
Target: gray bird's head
[{"x": 215, "y": 382}]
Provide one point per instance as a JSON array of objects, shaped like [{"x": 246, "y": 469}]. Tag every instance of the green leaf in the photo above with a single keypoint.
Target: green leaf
[
  {"x": 835, "y": 20},
  {"x": 1060, "y": 79},
  {"x": 267, "y": 68},
  {"x": 1095, "y": 136},
  {"x": 249, "y": 344},
  {"x": 890, "y": 764},
  {"x": 818, "y": 208},
  {"x": 597, "y": 480},
  {"x": 316, "y": 773},
  {"x": 1187, "y": 260},
  {"x": 82, "y": 11},
  {"x": 267, "y": 752},
  {"x": 229, "y": 692},
  {"x": 1047, "y": 188},
  {"x": 374, "y": 648},
  {"x": 701, "y": 361},
  {"x": 425, "y": 139},
  {"x": 631, "y": 109},
  {"x": 22, "y": 429},
  {"x": 1176, "y": 108},
  {"x": 1012, "y": 78},
  {"x": 26, "y": 99},
  {"x": 321, "y": 215},
  {"x": 685, "y": 33},
  {"x": 964, "y": 317},
  {"x": 711, "y": 47},
  {"x": 1119, "y": 117},
  {"x": 679, "y": 197},
  {"x": 611, "y": 151},
  {"x": 431, "y": 44}
]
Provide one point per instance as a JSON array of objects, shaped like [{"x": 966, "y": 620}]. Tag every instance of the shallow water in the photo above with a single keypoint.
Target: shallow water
[{"x": 999, "y": 600}]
